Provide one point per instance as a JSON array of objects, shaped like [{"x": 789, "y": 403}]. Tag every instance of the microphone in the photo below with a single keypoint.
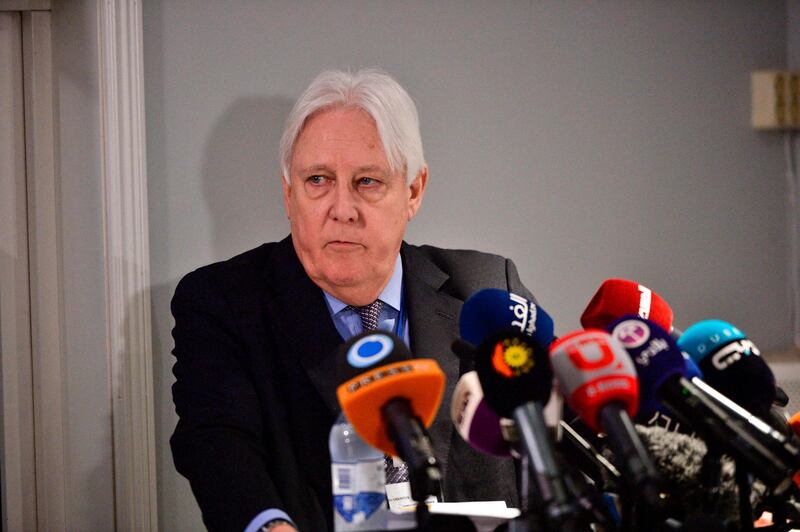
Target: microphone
[
  {"x": 632, "y": 332},
  {"x": 661, "y": 368},
  {"x": 778, "y": 417},
  {"x": 599, "y": 382},
  {"x": 474, "y": 420},
  {"x": 653, "y": 414},
  {"x": 679, "y": 458},
  {"x": 692, "y": 370},
  {"x": 618, "y": 297},
  {"x": 391, "y": 405},
  {"x": 731, "y": 364},
  {"x": 794, "y": 422},
  {"x": 781, "y": 398},
  {"x": 491, "y": 434},
  {"x": 515, "y": 374},
  {"x": 513, "y": 370},
  {"x": 589, "y": 460},
  {"x": 490, "y": 310}
]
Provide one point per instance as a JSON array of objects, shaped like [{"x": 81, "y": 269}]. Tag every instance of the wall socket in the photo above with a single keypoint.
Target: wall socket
[{"x": 775, "y": 99}]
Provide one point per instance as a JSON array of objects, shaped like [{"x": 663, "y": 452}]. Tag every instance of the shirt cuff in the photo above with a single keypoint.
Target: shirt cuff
[{"x": 265, "y": 517}]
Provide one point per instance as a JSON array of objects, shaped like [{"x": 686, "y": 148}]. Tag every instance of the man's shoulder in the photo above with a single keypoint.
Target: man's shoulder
[
  {"x": 462, "y": 270},
  {"x": 448, "y": 259},
  {"x": 241, "y": 270},
  {"x": 249, "y": 261}
]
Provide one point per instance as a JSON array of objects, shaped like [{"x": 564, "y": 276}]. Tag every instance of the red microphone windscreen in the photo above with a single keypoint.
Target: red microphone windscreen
[
  {"x": 617, "y": 297},
  {"x": 593, "y": 369}
]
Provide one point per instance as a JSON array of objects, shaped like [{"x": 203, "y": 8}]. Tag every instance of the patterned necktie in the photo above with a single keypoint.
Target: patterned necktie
[
  {"x": 369, "y": 314},
  {"x": 369, "y": 320}
]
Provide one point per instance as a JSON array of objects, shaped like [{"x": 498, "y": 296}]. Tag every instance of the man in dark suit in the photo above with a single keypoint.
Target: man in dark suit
[{"x": 255, "y": 336}]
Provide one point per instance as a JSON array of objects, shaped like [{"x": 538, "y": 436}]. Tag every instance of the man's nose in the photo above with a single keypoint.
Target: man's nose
[{"x": 344, "y": 203}]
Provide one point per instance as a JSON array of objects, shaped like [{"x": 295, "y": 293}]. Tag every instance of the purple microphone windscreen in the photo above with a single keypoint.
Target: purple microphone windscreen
[
  {"x": 692, "y": 370},
  {"x": 491, "y": 310},
  {"x": 477, "y": 424},
  {"x": 655, "y": 355},
  {"x": 731, "y": 363},
  {"x": 513, "y": 370}
]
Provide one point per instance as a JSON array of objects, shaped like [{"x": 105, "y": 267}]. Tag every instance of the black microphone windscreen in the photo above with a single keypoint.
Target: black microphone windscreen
[
  {"x": 731, "y": 364},
  {"x": 513, "y": 369},
  {"x": 781, "y": 397},
  {"x": 367, "y": 350}
]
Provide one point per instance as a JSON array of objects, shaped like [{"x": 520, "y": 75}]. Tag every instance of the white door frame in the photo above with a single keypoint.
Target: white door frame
[
  {"x": 32, "y": 357},
  {"x": 16, "y": 437},
  {"x": 34, "y": 387}
]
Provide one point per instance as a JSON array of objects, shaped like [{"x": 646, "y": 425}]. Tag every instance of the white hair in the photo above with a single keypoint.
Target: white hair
[{"x": 377, "y": 93}]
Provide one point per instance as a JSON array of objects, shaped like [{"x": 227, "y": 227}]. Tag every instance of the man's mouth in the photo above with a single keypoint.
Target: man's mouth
[{"x": 343, "y": 245}]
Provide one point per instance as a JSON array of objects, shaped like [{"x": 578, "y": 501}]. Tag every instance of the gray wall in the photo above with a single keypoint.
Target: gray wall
[
  {"x": 793, "y": 33},
  {"x": 585, "y": 140}
]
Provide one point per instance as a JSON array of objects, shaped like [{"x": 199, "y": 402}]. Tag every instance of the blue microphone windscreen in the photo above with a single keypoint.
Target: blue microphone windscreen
[
  {"x": 705, "y": 337},
  {"x": 491, "y": 310},
  {"x": 730, "y": 363},
  {"x": 655, "y": 354}
]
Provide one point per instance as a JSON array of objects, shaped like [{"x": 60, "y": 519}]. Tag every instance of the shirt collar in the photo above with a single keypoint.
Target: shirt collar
[{"x": 390, "y": 295}]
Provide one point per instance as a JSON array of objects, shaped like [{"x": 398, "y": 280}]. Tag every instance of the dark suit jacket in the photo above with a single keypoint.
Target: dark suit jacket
[{"x": 256, "y": 381}]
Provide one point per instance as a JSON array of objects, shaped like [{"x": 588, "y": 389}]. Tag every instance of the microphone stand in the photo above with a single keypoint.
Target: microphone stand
[
  {"x": 710, "y": 475},
  {"x": 743, "y": 482},
  {"x": 522, "y": 523},
  {"x": 560, "y": 512},
  {"x": 528, "y": 520},
  {"x": 627, "y": 510}
]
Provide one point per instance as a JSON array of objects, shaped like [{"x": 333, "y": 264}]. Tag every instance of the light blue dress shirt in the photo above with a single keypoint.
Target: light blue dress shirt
[{"x": 348, "y": 324}]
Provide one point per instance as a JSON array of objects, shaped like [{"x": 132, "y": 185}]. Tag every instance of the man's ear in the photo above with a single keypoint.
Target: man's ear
[
  {"x": 287, "y": 194},
  {"x": 416, "y": 192}
]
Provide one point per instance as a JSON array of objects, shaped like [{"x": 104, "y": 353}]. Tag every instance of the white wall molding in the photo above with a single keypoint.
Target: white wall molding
[{"x": 127, "y": 262}]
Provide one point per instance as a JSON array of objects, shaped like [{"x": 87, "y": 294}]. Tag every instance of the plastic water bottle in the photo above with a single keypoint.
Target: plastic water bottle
[{"x": 358, "y": 480}]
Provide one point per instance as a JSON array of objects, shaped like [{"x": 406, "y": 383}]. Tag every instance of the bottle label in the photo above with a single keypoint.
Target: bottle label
[
  {"x": 344, "y": 500},
  {"x": 358, "y": 490},
  {"x": 343, "y": 476}
]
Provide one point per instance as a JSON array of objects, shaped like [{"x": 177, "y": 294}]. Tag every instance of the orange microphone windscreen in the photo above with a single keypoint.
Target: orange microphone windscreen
[
  {"x": 420, "y": 381},
  {"x": 794, "y": 422}
]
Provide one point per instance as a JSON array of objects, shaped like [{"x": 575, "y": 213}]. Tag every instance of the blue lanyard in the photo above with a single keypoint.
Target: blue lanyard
[{"x": 400, "y": 326}]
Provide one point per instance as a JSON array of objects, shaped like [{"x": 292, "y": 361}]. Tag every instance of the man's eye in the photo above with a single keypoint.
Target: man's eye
[
  {"x": 368, "y": 181},
  {"x": 316, "y": 180}
]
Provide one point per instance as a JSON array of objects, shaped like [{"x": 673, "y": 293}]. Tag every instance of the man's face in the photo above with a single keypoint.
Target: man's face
[{"x": 348, "y": 212}]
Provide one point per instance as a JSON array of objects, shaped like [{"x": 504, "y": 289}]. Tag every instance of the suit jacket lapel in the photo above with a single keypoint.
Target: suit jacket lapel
[
  {"x": 432, "y": 321},
  {"x": 307, "y": 324}
]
